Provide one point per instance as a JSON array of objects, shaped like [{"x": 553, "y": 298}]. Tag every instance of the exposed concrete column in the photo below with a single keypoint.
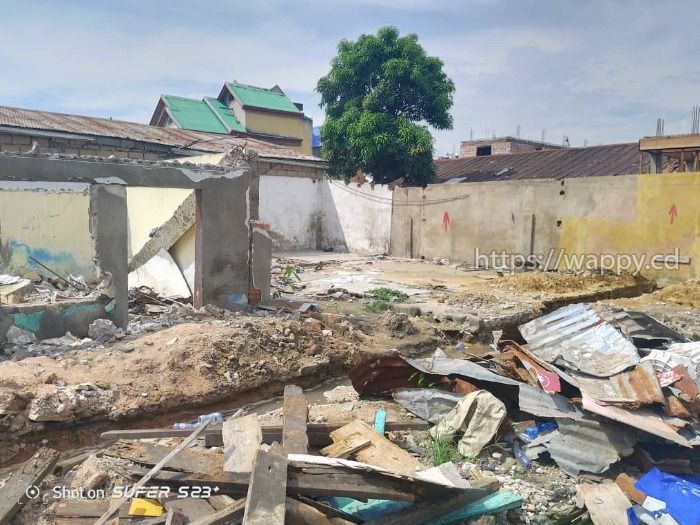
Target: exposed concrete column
[
  {"x": 222, "y": 242},
  {"x": 657, "y": 162},
  {"x": 109, "y": 228}
]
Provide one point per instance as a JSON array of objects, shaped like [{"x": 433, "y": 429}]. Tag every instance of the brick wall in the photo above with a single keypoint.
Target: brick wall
[
  {"x": 23, "y": 143},
  {"x": 499, "y": 147}
]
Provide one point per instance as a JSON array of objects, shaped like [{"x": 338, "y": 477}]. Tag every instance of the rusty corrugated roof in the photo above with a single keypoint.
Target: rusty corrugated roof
[
  {"x": 120, "y": 129},
  {"x": 592, "y": 161}
]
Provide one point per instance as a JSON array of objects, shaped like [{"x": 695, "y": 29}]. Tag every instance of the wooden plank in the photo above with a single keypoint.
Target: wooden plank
[
  {"x": 420, "y": 514},
  {"x": 242, "y": 437},
  {"x": 265, "y": 503},
  {"x": 606, "y": 503},
  {"x": 84, "y": 508},
  {"x": 151, "y": 473},
  {"x": 300, "y": 513},
  {"x": 174, "y": 517},
  {"x": 221, "y": 501},
  {"x": 345, "y": 449},
  {"x": 328, "y": 510},
  {"x": 149, "y": 454},
  {"x": 491, "y": 504},
  {"x": 13, "y": 494},
  {"x": 318, "y": 480},
  {"x": 192, "y": 508},
  {"x": 318, "y": 433},
  {"x": 295, "y": 413},
  {"x": 231, "y": 514},
  {"x": 626, "y": 484},
  {"x": 382, "y": 453}
]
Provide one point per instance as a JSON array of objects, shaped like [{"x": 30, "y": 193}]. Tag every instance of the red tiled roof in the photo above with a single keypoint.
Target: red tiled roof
[
  {"x": 101, "y": 127},
  {"x": 592, "y": 161}
]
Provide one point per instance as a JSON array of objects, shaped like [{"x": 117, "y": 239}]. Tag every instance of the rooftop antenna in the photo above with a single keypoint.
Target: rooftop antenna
[
  {"x": 695, "y": 120},
  {"x": 542, "y": 137},
  {"x": 659, "y": 127},
  {"x": 565, "y": 141},
  {"x": 471, "y": 134},
  {"x": 517, "y": 130}
]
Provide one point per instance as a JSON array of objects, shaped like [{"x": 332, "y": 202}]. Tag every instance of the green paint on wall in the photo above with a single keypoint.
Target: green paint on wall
[{"x": 31, "y": 322}]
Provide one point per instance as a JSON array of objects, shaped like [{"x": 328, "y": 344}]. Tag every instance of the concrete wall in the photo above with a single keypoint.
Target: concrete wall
[
  {"x": 149, "y": 208},
  {"x": 310, "y": 214},
  {"x": 49, "y": 222},
  {"x": 592, "y": 215}
]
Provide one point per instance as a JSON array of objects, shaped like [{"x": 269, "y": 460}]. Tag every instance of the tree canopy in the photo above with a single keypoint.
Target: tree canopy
[{"x": 380, "y": 95}]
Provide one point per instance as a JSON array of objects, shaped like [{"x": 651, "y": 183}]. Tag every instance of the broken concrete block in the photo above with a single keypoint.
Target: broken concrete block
[
  {"x": 17, "y": 336},
  {"x": 51, "y": 404},
  {"x": 15, "y": 292},
  {"x": 102, "y": 330},
  {"x": 411, "y": 310}
]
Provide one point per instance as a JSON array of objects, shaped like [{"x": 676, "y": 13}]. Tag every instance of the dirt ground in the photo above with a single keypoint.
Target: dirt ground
[{"x": 175, "y": 371}]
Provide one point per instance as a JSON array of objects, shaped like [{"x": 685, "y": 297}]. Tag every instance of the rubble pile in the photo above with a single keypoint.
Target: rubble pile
[{"x": 588, "y": 391}]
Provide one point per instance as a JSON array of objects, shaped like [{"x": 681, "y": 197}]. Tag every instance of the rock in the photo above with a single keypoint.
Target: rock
[
  {"x": 341, "y": 394},
  {"x": 399, "y": 324},
  {"x": 47, "y": 377},
  {"x": 12, "y": 402},
  {"x": 102, "y": 330},
  {"x": 17, "y": 336},
  {"x": 327, "y": 333},
  {"x": 409, "y": 309},
  {"x": 312, "y": 349},
  {"x": 497, "y": 455},
  {"x": 52, "y": 404}
]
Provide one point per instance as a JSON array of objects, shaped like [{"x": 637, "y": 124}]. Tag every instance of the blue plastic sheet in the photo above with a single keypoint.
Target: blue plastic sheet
[{"x": 680, "y": 493}]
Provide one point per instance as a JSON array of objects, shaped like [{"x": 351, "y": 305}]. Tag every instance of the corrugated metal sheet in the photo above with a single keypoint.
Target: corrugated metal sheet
[
  {"x": 593, "y": 161},
  {"x": 576, "y": 337},
  {"x": 92, "y": 126},
  {"x": 639, "y": 386},
  {"x": 588, "y": 446}
]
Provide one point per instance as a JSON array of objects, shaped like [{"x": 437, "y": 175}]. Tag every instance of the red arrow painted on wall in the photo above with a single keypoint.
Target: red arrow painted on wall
[
  {"x": 446, "y": 220},
  {"x": 673, "y": 212}
]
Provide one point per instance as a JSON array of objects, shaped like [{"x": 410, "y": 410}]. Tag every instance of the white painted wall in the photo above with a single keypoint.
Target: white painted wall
[{"x": 352, "y": 218}]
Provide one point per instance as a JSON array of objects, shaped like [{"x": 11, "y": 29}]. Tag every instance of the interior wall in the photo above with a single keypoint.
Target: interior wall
[
  {"x": 49, "y": 222},
  {"x": 640, "y": 215},
  {"x": 305, "y": 213},
  {"x": 148, "y": 208}
]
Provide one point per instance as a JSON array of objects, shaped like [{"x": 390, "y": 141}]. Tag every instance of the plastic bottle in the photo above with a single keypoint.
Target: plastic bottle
[
  {"x": 185, "y": 426},
  {"x": 520, "y": 456},
  {"x": 459, "y": 346},
  {"x": 215, "y": 417}
]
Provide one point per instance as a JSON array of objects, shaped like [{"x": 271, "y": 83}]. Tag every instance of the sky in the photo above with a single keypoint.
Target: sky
[{"x": 595, "y": 71}]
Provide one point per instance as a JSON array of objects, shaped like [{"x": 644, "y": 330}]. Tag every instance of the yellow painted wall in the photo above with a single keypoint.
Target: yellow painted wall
[
  {"x": 183, "y": 254},
  {"x": 49, "y": 222},
  {"x": 148, "y": 208},
  {"x": 282, "y": 124},
  {"x": 626, "y": 215}
]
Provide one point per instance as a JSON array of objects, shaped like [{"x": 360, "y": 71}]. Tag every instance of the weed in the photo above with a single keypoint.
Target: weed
[
  {"x": 382, "y": 299},
  {"x": 442, "y": 450}
]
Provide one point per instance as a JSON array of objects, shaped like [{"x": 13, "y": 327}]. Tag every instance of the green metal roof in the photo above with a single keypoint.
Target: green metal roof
[
  {"x": 262, "y": 98},
  {"x": 224, "y": 113},
  {"x": 194, "y": 115}
]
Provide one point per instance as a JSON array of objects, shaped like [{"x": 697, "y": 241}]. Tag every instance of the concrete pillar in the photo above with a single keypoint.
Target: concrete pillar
[
  {"x": 657, "y": 161},
  {"x": 222, "y": 242},
  {"x": 109, "y": 228}
]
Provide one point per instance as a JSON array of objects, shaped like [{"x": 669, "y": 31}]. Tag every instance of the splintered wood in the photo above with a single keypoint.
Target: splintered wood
[{"x": 380, "y": 452}]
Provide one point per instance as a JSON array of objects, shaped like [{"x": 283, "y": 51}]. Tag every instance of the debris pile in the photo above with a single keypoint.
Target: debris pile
[
  {"x": 584, "y": 389},
  {"x": 241, "y": 471}
]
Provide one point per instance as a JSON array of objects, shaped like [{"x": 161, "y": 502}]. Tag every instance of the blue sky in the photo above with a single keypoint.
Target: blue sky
[{"x": 600, "y": 71}]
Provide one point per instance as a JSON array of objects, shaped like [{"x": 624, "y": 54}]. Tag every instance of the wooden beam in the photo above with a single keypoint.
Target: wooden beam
[
  {"x": 301, "y": 513},
  {"x": 606, "y": 503},
  {"x": 265, "y": 503},
  {"x": 24, "y": 481},
  {"x": 230, "y": 514},
  {"x": 421, "y": 514},
  {"x": 317, "y": 432},
  {"x": 149, "y": 454},
  {"x": 242, "y": 437},
  {"x": 114, "y": 507},
  {"x": 295, "y": 413}
]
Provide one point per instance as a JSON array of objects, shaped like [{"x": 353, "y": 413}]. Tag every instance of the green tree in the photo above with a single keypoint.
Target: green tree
[{"x": 379, "y": 96}]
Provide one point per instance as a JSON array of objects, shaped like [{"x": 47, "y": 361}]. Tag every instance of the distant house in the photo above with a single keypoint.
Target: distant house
[
  {"x": 241, "y": 110},
  {"x": 502, "y": 146}
]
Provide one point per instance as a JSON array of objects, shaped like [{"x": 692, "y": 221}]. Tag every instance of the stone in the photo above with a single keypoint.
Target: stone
[
  {"x": 411, "y": 310},
  {"x": 12, "y": 402},
  {"x": 312, "y": 349},
  {"x": 341, "y": 394},
  {"x": 17, "y": 336},
  {"x": 102, "y": 330}
]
